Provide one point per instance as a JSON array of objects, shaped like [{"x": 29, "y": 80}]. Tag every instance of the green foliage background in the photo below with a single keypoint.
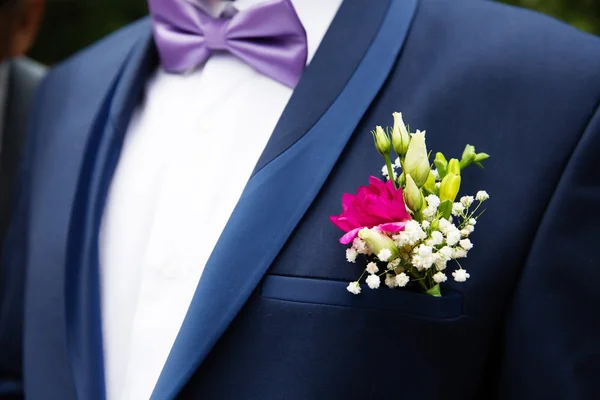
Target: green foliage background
[{"x": 73, "y": 24}]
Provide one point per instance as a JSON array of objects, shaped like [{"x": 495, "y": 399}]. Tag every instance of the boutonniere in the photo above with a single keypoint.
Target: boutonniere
[{"x": 410, "y": 226}]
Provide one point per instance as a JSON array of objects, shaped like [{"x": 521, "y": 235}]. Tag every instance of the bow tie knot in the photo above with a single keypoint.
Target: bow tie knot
[
  {"x": 269, "y": 37},
  {"x": 215, "y": 34}
]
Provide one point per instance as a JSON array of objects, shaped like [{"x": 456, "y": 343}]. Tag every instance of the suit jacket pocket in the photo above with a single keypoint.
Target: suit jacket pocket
[{"x": 330, "y": 292}]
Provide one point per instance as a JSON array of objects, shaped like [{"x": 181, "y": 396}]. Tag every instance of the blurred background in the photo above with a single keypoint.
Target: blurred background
[{"x": 73, "y": 24}]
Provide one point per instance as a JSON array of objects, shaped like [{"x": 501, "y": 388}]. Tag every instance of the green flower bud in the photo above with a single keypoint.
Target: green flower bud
[
  {"x": 382, "y": 141},
  {"x": 412, "y": 195},
  {"x": 416, "y": 162},
  {"x": 450, "y": 187},
  {"x": 377, "y": 242},
  {"x": 454, "y": 167},
  {"x": 468, "y": 156},
  {"x": 441, "y": 165},
  {"x": 401, "y": 180},
  {"x": 481, "y": 157},
  {"x": 430, "y": 183},
  {"x": 400, "y": 136}
]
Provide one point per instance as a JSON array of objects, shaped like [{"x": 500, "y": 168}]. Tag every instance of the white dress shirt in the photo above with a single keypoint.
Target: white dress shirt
[{"x": 190, "y": 149}]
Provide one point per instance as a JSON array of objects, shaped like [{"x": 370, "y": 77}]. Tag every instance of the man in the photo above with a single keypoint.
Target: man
[
  {"x": 19, "y": 78},
  {"x": 182, "y": 172}
]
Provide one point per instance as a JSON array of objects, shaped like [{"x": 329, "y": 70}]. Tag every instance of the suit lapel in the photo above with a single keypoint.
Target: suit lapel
[
  {"x": 84, "y": 329},
  {"x": 337, "y": 57},
  {"x": 23, "y": 79},
  {"x": 288, "y": 178}
]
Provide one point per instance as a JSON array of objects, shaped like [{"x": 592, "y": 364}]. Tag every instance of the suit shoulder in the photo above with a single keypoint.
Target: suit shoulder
[
  {"x": 505, "y": 48},
  {"x": 106, "y": 54},
  {"x": 514, "y": 33}
]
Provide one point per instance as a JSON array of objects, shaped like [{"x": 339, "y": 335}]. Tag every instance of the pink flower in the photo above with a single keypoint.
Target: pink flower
[{"x": 377, "y": 205}]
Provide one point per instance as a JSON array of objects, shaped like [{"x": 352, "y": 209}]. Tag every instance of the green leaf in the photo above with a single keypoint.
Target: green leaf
[
  {"x": 445, "y": 208},
  {"x": 434, "y": 291}
]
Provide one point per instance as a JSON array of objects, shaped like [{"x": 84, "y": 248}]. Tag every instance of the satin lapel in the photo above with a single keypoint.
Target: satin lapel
[
  {"x": 276, "y": 198},
  {"x": 84, "y": 329},
  {"x": 341, "y": 50}
]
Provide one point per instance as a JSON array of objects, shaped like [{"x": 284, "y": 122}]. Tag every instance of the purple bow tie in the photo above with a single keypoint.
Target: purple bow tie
[{"x": 269, "y": 37}]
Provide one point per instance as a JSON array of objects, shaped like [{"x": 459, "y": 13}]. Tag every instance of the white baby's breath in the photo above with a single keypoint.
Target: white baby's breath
[
  {"x": 361, "y": 246},
  {"x": 390, "y": 281},
  {"x": 425, "y": 225},
  {"x": 464, "y": 232},
  {"x": 460, "y": 275},
  {"x": 422, "y": 257},
  {"x": 353, "y": 287},
  {"x": 402, "y": 279},
  {"x": 433, "y": 201},
  {"x": 445, "y": 225},
  {"x": 411, "y": 234},
  {"x": 472, "y": 221},
  {"x": 351, "y": 254},
  {"x": 439, "y": 277},
  {"x": 384, "y": 172},
  {"x": 373, "y": 281},
  {"x": 466, "y": 201},
  {"x": 384, "y": 254},
  {"x": 466, "y": 244},
  {"x": 436, "y": 238},
  {"x": 393, "y": 264},
  {"x": 446, "y": 251},
  {"x": 482, "y": 195},
  {"x": 372, "y": 268},
  {"x": 457, "y": 209},
  {"x": 453, "y": 237},
  {"x": 442, "y": 257},
  {"x": 436, "y": 174},
  {"x": 458, "y": 252},
  {"x": 429, "y": 213}
]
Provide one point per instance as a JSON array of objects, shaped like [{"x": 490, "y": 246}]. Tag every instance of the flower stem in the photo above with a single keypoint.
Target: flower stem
[
  {"x": 423, "y": 285},
  {"x": 388, "y": 163}
]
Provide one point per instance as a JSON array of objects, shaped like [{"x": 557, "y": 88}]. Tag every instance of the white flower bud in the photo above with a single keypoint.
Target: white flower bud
[
  {"x": 382, "y": 141},
  {"x": 400, "y": 136},
  {"x": 380, "y": 244},
  {"x": 416, "y": 162}
]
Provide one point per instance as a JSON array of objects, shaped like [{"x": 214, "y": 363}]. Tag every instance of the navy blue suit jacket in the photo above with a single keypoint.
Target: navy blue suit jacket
[{"x": 271, "y": 318}]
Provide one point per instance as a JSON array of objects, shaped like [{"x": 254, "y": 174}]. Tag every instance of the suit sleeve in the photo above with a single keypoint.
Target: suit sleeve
[
  {"x": 13, "y": 263},
  {"x": 552, "y": 333}
]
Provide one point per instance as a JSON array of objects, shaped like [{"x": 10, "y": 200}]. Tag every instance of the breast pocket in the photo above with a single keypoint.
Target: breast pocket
[
  {"x": 311, "y": 339},
  {"x": 334, "y": 293}
]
